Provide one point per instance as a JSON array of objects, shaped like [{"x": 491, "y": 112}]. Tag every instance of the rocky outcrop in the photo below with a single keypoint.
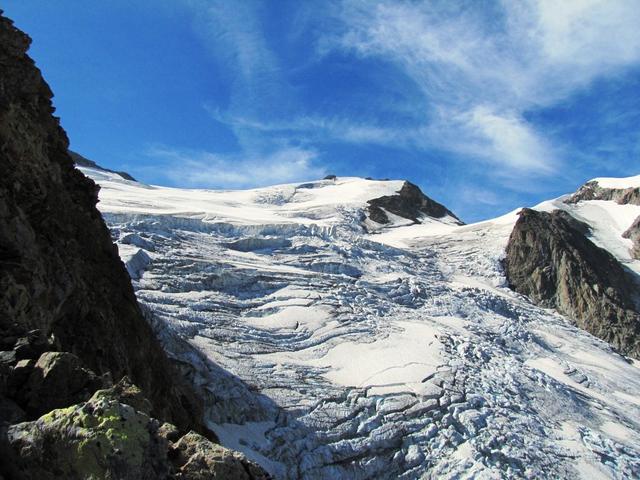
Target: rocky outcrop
[
  {"x": 593, "y": 191},
  {"x": 85, "y": 162},
  {"x": 633, "y": 234},
  {"x": 57, "y": 379},
  {"x": 550, "y": 260},
  {"x": 622, "y": 196},
  {"x": 409, "y": 203},
  {"x": 69, "y": 320},
  {"x": 112, "y": 435}
]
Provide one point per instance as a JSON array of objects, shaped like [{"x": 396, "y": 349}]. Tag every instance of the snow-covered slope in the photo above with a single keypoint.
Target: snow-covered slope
[
  {"x": 397, "y": 354},
  {"x": 623, "y": 182},
  {"x": 323, "y": 203}
]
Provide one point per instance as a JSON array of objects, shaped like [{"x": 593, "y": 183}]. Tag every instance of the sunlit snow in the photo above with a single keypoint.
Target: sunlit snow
[{"x": 390, "y": 352}]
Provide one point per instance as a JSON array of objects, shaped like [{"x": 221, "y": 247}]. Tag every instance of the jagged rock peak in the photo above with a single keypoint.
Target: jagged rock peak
[
  {"x": 623, "y": 191},
  {"x": 410, "y": 203},
  {"x": 549, "y": 259}
]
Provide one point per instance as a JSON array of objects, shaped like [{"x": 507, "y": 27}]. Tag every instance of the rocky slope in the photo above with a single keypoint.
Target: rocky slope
[
  {"x": 69, "y": 320},
  {"x": 593, "y": 190},
  {"x": 550, "y": 259},
  {"x": 622, "y": 194},
  {"x": 409, "y": 203}
]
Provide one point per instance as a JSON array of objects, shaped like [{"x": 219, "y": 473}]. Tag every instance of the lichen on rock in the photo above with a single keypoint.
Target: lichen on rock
[{"x": 105, "y": 438}]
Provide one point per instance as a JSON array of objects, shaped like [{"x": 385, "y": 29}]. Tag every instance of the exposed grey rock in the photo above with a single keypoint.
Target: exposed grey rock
[
  {"x": 107, "y": 438},
  {"x": 8, "y": 358},
  {"x": 409, "y": 203},
  {"x": 549, "y": 259},
  {"x": 57, "y": 380},
  {"x": 633, "y": 233},
  {"x": 593, "y": 191}
]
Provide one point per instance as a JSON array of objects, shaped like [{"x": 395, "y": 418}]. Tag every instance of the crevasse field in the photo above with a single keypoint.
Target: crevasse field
[{"x": 329, "y": 347}]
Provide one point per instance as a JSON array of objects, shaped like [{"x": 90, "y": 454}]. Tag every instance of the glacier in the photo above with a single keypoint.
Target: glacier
[{"x": 330, "y": 347}]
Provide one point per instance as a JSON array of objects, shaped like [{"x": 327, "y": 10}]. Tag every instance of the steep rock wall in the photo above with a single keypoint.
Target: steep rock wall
[
  {"x": 549, "y": 259},
  {"x": 59, "y": 271}
]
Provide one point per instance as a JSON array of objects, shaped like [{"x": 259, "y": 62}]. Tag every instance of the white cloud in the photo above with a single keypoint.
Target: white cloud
[
  {"x": 508, "y": 139},
  {"x": 592, "y": 34},
  {"x": 205, "y": 169},
  {"x": 316, "y": 128},
  {"x": 481, "y": 69},
  {"x": 235, "y": 35}
]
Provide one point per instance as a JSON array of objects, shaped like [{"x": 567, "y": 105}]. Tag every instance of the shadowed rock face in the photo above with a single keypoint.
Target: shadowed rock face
[
  {"x": 549, "y": 259},
  {"x": 409, "y": 203},
  {"x": 59, "y": 271},
  {"x": 70, "y": 322}
]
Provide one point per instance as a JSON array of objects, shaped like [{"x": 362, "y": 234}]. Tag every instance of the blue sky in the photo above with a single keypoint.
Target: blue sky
[{"x": 486, "y": 105}]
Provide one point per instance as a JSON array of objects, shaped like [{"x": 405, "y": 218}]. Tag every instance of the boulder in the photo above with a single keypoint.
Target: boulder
[
  {"x": 196, "y": 458},
  {"x": 58, "y": 380},
  {"x": 31, "y": 345}
]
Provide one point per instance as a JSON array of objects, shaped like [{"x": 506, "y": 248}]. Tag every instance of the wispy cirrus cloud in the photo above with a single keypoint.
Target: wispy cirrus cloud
[
  {"x": 482, "y": 68},
  {"x": 234, "y": 33},
  {"x": 462, "y": 81},
  {"x": 197, "y": 168}
]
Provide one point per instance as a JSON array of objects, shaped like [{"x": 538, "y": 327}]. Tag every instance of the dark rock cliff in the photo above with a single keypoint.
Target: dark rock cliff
[
  {"x": 69, "y": 320},
  {"x": 549, "y": 259},
  {"x": 409, "y": 203},
  {"x": 59, "y": 271}
]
